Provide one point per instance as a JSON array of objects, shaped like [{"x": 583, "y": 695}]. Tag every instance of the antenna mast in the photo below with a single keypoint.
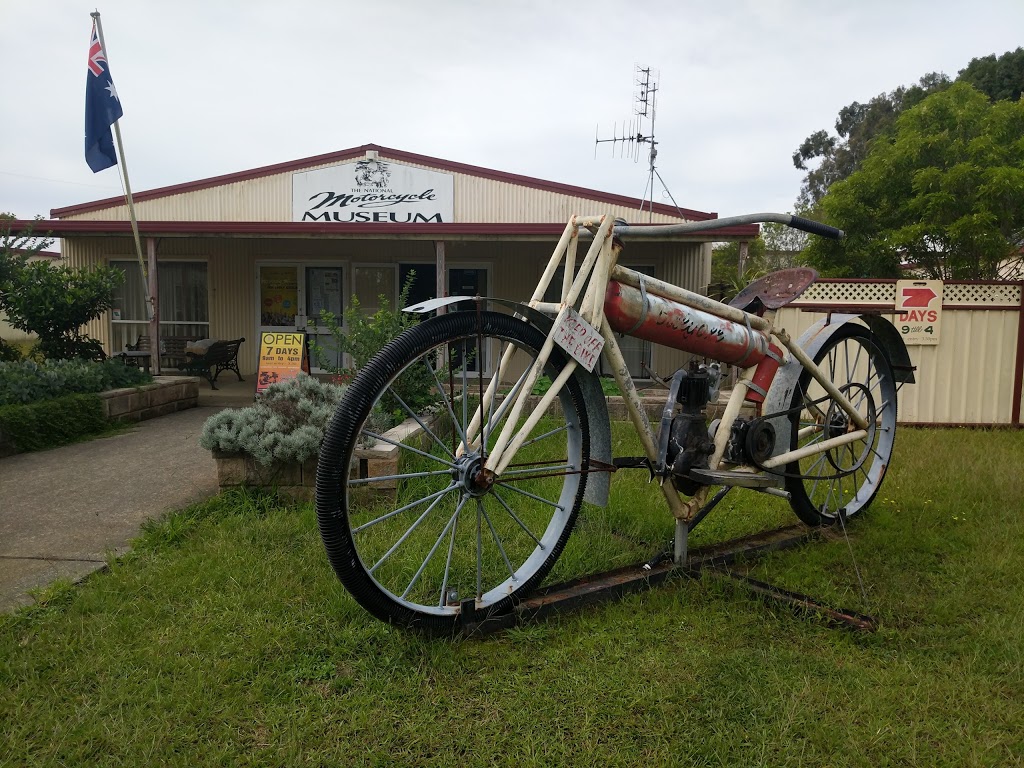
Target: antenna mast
[{"x": 645, "y": 108}]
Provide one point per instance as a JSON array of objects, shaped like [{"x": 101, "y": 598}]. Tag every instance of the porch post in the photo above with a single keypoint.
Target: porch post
[
  {"x": 442, "y": 282},
  {"x": 154, "y": 320}
]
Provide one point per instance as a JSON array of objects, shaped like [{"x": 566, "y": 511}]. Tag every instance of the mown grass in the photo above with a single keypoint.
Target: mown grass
[{"x": 225, "y": 639}]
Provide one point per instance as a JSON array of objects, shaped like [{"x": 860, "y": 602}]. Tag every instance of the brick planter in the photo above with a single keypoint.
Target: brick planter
[
  {"x": 290, "y": 479},
  {"x": 167, "y": 394},
  {"x": 298, "y": 481}
]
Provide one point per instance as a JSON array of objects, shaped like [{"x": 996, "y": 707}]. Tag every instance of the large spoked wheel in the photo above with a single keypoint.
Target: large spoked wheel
[
  {"x": 434, "y": 537},
  {"x": 844, "y": 479}
]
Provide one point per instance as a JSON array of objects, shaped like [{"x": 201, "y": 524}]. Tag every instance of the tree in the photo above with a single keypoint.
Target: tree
[
  {"x": 998, "y": 78},
  {"x": 726, "y": 281},
  {"x": 945, "y": 193},
  {"x": 857, "y": 126},
  {"x": 52, "y": 302}
]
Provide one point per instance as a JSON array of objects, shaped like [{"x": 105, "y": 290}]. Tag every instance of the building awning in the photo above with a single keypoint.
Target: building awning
[{"x": 342, "y": 231}]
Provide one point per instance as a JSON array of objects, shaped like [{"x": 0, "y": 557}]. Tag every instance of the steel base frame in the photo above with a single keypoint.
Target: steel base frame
[{"x": 613, "y": 585}]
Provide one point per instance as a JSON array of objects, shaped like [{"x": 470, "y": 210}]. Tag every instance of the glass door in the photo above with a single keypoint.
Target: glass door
[
  {"x": 323, "y": 294},
  {"x": 292, "y": 295}
]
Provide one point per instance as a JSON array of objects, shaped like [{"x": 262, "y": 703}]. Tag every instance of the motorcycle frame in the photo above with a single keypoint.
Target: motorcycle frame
[{"x": 598, "y": 267}]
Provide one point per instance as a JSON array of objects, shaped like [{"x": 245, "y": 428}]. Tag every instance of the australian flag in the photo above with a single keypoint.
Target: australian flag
[{"x": 102, "y": 108}]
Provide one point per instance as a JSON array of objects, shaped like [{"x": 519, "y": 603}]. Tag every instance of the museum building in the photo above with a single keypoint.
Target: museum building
[{"x": 270, "y": 248}]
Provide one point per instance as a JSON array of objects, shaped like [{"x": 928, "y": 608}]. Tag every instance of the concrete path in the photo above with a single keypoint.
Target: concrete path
[{"x": 63, "y": 510}]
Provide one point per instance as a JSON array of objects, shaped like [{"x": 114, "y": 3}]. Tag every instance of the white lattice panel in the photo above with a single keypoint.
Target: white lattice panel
[
  {"x": 849, "y": 293},
  {"x": 980, "y": 295},
  {"x": 884, "y": 293}
]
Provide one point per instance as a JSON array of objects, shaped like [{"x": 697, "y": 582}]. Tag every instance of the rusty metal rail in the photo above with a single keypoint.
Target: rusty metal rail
[{"x": 615, "y": 584}]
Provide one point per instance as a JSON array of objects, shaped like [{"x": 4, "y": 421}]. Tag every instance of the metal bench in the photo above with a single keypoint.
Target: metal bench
[
  {"x": 172, "y": 349},
  {"x": 220, "y": 356}
]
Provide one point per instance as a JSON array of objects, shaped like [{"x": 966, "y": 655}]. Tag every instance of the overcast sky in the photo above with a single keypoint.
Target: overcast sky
[{"x": 522, "y": 86}]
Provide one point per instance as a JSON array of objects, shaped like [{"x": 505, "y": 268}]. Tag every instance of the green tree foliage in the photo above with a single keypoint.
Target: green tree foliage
[
  {"x": 777, "y": 247},
  {"x": 998, "y": 78},
  {"x": 52, "y": 302},
  {"x": 945, "y": 192},
  {"x": 726, "y": 280},
  {"x": 857, "y": 126}
]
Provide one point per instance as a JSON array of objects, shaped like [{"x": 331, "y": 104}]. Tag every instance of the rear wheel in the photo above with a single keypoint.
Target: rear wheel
[
  {"x": 431, "y": 536},
  {"x": 843, "y": 480}
]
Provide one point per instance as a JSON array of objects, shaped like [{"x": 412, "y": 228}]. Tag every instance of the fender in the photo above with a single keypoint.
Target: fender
[
  {"x": 780, "y": 393},
  {"x": 598, "y": 483}
]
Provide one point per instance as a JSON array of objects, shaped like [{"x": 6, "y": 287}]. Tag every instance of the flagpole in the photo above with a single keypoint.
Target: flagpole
[{"x": 151, "y": 307}]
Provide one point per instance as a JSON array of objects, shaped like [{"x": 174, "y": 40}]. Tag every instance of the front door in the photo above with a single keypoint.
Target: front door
[{"x": 292, "y": 295}]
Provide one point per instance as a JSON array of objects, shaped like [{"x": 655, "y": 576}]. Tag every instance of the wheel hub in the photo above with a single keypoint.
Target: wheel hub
[{"x": 470, "y": 475}]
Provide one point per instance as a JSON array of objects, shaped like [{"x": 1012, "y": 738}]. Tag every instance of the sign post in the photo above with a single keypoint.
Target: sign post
[
  {"x": 919, "y": 310},
  {"x": 282, "y": 356}
]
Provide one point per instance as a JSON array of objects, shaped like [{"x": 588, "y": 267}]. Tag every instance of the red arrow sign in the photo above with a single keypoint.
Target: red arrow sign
[{"x": 918, "y": 297}]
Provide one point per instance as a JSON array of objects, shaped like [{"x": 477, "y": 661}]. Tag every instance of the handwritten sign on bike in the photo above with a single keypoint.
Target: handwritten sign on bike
[
  {"x": 919, "y": 310},
  {"x": 579, "y": 338},
  {"x": 282, "y": 357}
]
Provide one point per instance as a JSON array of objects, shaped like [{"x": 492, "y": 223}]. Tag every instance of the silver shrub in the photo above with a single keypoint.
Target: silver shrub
[{"x": 286, "y": 424}]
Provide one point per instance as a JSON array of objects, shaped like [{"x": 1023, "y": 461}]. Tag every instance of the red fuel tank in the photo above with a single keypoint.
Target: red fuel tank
[{"x": 675, "y": 325}]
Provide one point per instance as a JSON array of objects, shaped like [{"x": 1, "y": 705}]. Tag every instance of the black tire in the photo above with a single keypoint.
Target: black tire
[
  {"x": 844, "y": 480},
  {"x": 514, "y": 538}
]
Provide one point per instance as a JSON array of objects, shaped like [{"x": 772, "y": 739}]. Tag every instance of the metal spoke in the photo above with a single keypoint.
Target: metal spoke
[
  {"x": 451, "y": 542},
  {"x": 515, "y": 517},
  {"x": 403, "y": 446},
  {"x": 533, "y": 472},
  {"x": 420, "y": 422},
  {"x": 546, "y": 434},
  {"x": 479, "y": 550},
  {"x": 408, "y": 476},
  {"x": 430, "y": 554},
  {"x": 410, "y": 505},
  {"x": 497, "y": 539},
  {"x": 509, "y": 399},
  {"x": 465, "y": 388},
  {"x": 406, "y": 535},
  {"x": 447, "y": 404},
  {"x": 554, "y": 504}
]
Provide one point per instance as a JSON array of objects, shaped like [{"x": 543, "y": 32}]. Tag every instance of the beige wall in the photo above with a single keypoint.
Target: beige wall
[{"x": 968, "y": 378}]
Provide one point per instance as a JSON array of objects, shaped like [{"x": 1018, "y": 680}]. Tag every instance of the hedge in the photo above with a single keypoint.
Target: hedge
[{"x": 49, "y": 423}]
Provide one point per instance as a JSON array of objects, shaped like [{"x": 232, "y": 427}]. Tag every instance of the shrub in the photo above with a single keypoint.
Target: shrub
[
  {"x": 27, "y": 381},
  {"x": 8, "y": 352},
  {"x": 287, "y": 423},
  {"x": 50, "y": 423}
]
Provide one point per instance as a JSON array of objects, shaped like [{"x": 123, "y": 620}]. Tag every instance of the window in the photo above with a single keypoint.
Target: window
[{"x": 182, "y": 302}]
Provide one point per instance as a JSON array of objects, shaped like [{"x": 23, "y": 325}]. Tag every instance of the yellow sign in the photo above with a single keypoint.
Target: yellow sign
[{"x": 282, "y": 357}]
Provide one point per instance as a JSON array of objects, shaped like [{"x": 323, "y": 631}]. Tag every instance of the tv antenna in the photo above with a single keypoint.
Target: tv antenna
[{"x": 629, "y": 142}]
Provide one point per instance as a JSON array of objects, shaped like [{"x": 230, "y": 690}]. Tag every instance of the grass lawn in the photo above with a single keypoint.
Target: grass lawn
[{"x": 224, "y": 638}]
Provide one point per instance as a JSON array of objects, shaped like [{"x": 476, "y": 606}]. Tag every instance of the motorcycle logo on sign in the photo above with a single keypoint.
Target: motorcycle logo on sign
[{"x": 919, "y": 310}]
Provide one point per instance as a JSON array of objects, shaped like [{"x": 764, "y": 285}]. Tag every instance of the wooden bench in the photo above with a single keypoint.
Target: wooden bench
[
  {"x": 220, "y": 356},
  {"x": 172, "y": 349}
]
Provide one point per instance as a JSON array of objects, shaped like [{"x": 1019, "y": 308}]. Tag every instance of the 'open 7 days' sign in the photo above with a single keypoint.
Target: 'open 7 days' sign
[{"x": 282, "y": 357}]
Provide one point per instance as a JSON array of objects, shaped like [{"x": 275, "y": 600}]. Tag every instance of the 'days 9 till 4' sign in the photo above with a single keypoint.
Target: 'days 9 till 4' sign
[{"x": 919, "y": 310}]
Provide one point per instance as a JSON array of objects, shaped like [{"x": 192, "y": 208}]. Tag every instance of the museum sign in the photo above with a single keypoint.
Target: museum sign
[{"x": 373, "y": 191}]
